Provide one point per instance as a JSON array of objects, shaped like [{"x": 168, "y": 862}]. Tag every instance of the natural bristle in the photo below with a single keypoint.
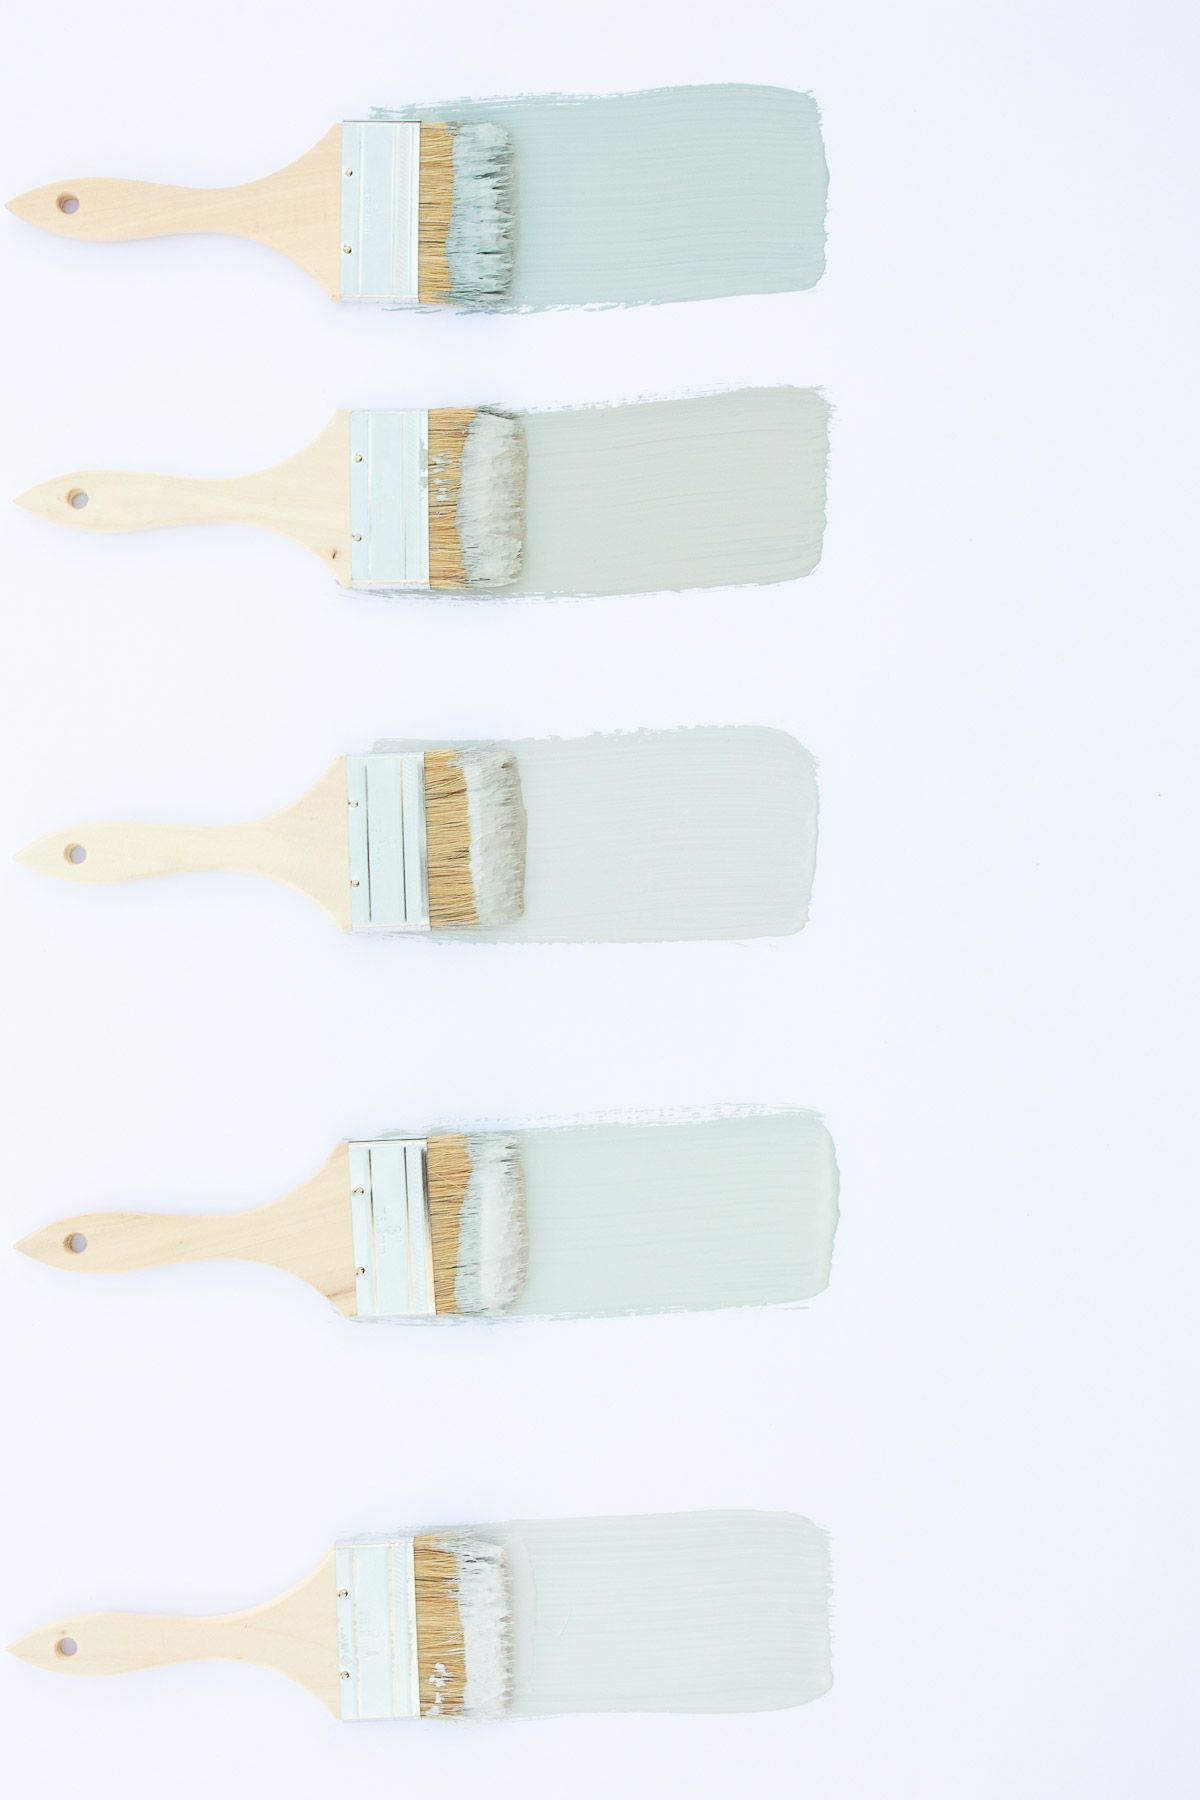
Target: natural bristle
[
  {"x": 448, "y": 1171},
  {"x": 448, "y": 833},
  {"x": 435, "y": 206},
  {"x": 448, "y": 427},
  {"x": 441, "y": 1652}
]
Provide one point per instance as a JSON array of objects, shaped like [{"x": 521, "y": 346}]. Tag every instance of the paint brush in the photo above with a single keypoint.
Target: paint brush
[
  {"x": 637, "y": 837},
  {"x": 708, "y": 491},
  {"x": 586, "y": 1220},
  {"x": 410, "y": 214},
  {"x": 550, "y": 200},
  {"x": 672, "y": 1612}
]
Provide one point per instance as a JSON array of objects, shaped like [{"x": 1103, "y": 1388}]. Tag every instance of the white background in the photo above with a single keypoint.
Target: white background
[{"x": 993, "y": 1408}]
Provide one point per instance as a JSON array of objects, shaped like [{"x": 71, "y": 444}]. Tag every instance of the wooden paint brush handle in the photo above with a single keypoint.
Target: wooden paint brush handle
[
  {"x": 114, "y": 1242},
  {"x": 306, "y": 498},
  {"x": 296, "y": 1635},
  {"x": 100, "y": 210},
  {"x": 295, "y": 211},
  {"x": 307, "y": 1233},
  {"x": 305, "y": 846},
  {"x": 129, "y": 500},
  {"x": 108, "y": 852}
]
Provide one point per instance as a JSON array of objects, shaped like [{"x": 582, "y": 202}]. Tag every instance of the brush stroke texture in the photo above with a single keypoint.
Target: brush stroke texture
[
  {"x": 685, "y": 1215},
  {"x": 683, "y": 193},
  {"x": 718, "y": 490},
  {"x": 671, "y": 1612}
]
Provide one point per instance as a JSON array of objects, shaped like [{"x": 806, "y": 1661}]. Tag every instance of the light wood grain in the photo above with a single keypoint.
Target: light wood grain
[
  {"x": 305, "y": 498},
  {"x": 296, "y": 1635},
  {"x": 307, "y": 1233},
  {"x": 296, "y": 211},
  {"x": 306, "y": 846}
]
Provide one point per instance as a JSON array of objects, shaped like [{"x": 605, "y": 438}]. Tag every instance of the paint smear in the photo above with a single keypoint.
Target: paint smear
[
  {"x": 685, "y": 1215},
  {"x": 670, "y": 1612},
  {"x": 661, "y": 836},
  {"x": 719, "y": 490},
  {"x": 684, "y": 193}
]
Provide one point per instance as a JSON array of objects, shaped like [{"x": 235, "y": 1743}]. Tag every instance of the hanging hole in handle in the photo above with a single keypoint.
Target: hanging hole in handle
[
  {"x": 77, "y": 498},
  {"x": 75, "y": 1242},
  {"x": 75, "y": 853},
  {"x": 67, "y": 203},
  {"x": 66, "y": 1646}
]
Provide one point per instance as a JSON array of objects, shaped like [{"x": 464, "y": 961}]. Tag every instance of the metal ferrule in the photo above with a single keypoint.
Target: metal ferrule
[
  {"x": 377, "y": 1628},
  {"x": 385, "y": 813},
  {"x": 389, "y": 1216},
  {"x": 389, "y": 499},
  {"x": 381, "y": 176}
]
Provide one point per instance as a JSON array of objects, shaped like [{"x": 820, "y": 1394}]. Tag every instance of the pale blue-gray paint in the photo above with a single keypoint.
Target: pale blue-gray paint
[{"x": 682, "y": 193}]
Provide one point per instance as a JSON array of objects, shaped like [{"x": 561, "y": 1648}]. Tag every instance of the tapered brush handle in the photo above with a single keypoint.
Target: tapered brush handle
[
  {"x": 101, "y": 210},
  {"x": 306, "y": 498},
  {"x": 118, "y": 1643},
  {"x": 295, "y": 211},
  {"x": 107, "y": 852},
  {"x": 308, "y": 1234},
  {"x": 108, "y": 1243},
  {"x": 305, "y": 846},
  {"x": 133, "y": 500},
  {"x": 296, "y": 1635}
]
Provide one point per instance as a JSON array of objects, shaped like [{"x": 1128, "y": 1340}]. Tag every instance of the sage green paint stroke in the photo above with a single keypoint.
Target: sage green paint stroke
[
  {"x": 684, "y": 193},
  {"x": 682, "y": 1214},
  {"x": 720, "y": 490},
  {"x": 671, "y": 1612}
]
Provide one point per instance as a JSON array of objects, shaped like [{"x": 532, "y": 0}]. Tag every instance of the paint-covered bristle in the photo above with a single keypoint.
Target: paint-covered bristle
[
  {"x": 441, "y": 1653},
  {"x": 463, "y": 1627},
  {"x": 466, "y": 223},
  {"x": 476, "y": 499},
  {"x": 475, "y": 829},
  {"x": 477, "y": 1221}
]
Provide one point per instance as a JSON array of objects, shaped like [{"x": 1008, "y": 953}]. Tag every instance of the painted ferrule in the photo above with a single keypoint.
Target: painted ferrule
[
  {"x": 377, "y": 1628},
  {"x": 381, "y": 177},
  {"x": 388, "y": 845},
  {"x": 389, "y": 499},
  {"x": 389, "y": 1217}
]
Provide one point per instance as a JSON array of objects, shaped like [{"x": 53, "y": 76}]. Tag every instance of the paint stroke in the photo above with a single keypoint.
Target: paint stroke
[
  {"x": 681, "y": 1215},
  {"x": 680, "y": 193},
  {"x": 671, "y": 1612},
  {"x": 716, "y": 490}
]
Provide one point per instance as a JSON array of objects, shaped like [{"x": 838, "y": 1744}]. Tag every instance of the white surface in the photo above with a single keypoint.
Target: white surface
[{"x": 992, "y": 1408}]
